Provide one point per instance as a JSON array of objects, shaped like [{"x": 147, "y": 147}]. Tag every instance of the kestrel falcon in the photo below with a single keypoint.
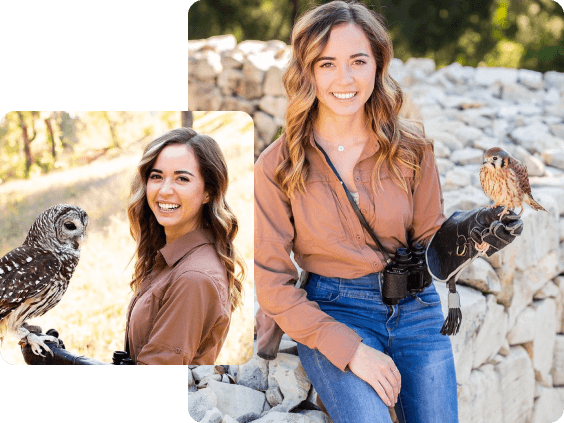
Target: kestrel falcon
[{"x": 506, "y": 181}]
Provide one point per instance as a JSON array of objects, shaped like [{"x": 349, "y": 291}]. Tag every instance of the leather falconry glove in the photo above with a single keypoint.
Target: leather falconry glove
[
  {"x": 462, "y": 238},
  {"x": 60, "y": 356}
]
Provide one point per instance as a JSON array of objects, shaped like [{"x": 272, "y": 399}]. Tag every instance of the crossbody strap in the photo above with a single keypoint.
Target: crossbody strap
[{"x": 354, "y": 206}]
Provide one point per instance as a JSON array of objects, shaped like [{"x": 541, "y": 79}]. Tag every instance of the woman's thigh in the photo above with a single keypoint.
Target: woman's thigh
[
  {"x": 425, "y": 361},
  {"x": 409, "y": 333},
  {"x": 347, "y": 398}
]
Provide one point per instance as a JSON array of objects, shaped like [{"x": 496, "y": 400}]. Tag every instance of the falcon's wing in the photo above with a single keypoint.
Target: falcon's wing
[
  {"x": 24, "y": 273},
  {"x": 522, "y": 176}
]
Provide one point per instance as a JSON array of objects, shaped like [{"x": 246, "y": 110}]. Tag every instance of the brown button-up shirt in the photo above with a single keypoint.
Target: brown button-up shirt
[
  {"x": 327, "y": 238},
  {"x": 181, "y": 313}
]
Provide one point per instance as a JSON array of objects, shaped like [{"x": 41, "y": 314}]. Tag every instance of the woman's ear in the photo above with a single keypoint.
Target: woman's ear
[{"x": 206, "y": 198}]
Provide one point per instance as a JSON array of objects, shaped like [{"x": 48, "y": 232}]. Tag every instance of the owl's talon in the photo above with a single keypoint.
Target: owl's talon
[{"x": 36, "y": 343}]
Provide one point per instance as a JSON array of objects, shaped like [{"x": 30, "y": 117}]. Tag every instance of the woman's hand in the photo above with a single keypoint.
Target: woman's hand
[{"x": 379, "y": 371}]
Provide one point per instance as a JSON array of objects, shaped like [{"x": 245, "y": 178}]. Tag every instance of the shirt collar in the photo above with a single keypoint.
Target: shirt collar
[{"x": 173, "y": 252}]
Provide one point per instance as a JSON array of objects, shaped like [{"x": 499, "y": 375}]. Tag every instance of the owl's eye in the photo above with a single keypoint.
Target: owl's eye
[
  {"x": 494, "y": 158},
  {"x": 70, "y": 226}
]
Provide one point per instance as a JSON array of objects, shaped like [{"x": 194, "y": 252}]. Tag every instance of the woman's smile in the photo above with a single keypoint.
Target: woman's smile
[{"x": 176, "y": 192}]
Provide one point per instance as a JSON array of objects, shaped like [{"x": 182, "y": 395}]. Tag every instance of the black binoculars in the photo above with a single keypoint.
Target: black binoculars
[
  {"x": 406, "y": 274},
  {"x": 121, "y": 358}
]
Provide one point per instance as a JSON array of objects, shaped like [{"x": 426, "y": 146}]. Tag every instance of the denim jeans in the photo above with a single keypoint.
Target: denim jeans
[{"x": 409, "y": 333}]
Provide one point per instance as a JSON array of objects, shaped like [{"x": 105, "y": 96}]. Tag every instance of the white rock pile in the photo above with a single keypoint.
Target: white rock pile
[{"x": 510, "y": 350}]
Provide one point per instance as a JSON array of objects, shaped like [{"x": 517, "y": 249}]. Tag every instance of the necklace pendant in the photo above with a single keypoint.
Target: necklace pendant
[{"x": 341, "y": 148}]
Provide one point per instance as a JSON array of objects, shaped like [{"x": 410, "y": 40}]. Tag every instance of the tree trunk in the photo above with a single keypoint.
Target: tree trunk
[
  {"x": 187, "y": 119},
  {"x": 113, "y": 133},
  {"x": 27, "y": 150},
  {"x": 51, "y": 138}
]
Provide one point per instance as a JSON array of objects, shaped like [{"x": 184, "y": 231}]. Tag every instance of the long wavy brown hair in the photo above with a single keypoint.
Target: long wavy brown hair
[
  {"x": 401, "y": 142},
  {"x": 217, "y": 216}
]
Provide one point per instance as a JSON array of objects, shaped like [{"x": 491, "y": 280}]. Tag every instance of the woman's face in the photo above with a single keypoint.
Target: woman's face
[
  {"x": 345, "y": 72},
  {"x": 175, "y": 191}
]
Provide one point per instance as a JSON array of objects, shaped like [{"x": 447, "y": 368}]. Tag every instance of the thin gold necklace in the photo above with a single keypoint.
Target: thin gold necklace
[{"x": 340, "y": 147}]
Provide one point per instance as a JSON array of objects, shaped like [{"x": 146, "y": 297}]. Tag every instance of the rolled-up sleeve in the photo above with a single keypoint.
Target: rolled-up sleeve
[
  {"x": 189, "y": 311},
  {"x": 428, "y": 214},
  {"x": 276, "y": 274}
]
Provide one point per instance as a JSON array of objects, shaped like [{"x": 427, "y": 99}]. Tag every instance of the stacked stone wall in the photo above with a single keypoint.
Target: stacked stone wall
[{"x": 510, "y": 350}]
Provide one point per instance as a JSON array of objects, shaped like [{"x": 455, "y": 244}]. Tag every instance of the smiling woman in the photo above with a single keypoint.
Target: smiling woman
[
  {"x": 175, "y": 191},
  {"x": 188, "y": 275}
]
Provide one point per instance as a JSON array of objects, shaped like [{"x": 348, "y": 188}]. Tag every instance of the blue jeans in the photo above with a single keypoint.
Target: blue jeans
[{"x": 408, "y": 332}]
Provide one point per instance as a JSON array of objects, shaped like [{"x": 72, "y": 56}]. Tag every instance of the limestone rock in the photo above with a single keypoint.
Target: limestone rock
[
  {"x": 191, "y": 382},
  {"x": 479, "y": 398},
  {"x": 201, "y": 372},
  {"x": 281, "y": 417},
  {"x": 229, "y": 79},
  {"x": 273, "y": 82},
  {"x": 554, "y": 158},
  {"x": 315, "y": 416},
  {"x": 274, "y": 396},
  {"x": 266, "y": 125},
  {"x": 530, "y": 136},
  {"x": 545, "y": 336},
  {"x": 491, "y": 335},
  {"x": 286, "y": 372},
  {"x": 530, "y": 79},
  {"x": 473, "y": 307},
  {"x": 548, "y": 407},
  {"x": 212, "y": 416},
  {"x": 554, "y": 80},
  {"x": 516, "y": 93},
  {"x": 238, "y": 103},
  {"x": 558, "y": 361},
  {"x": 236, "y": 400},
  {"x": 489, "y": 76},
  {"x": 276, "y": 106},
  {"x": 524, "y": 329},
  {"x": 288, "y": 347},
  {"x": 254, "y": 374},
  {"x": 481, "y": 275},
  {"x": 467, "y": 156},
  {"x": 517, "y": 386},
  {"x": 464, "y": 199},
  {"x": 201, "y": 401}
]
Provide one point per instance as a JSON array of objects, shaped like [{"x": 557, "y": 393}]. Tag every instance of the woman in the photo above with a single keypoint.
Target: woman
[
  {"x": 361, "y": 355},
  {"x": 186, "y": 281},
  {"x": 188, "y": 275}
]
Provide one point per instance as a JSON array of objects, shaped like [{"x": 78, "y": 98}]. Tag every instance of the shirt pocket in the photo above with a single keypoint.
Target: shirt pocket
[
  {"x": 318, "y": 216},
  {"x": 143, "y": 318}
]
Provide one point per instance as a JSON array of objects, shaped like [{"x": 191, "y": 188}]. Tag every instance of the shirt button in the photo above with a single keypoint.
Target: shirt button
[
  {"x": 357, "y": 179},
  {"x": 375, "y": 264},
  {"x": 363, "y": 210},
  {"x": 358, "y": 237},
  {"x": 177, "y": 350}
]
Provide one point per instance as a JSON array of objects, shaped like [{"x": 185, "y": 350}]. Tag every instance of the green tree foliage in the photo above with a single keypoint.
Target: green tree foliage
[{"x": 511, "y": 33}]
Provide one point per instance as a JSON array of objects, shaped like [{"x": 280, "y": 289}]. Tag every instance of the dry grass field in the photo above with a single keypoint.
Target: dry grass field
[{"x": 91, "y": 316}]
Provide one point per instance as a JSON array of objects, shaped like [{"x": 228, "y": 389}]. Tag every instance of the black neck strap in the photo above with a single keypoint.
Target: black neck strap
[{"x": 354, "y": 206}]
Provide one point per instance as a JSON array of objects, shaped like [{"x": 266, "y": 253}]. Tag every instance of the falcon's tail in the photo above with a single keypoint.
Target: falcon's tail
[{"x": 536, "y": 206}]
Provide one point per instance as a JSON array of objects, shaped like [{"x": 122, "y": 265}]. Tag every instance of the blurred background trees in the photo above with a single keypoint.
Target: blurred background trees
[
  {"x": 510, "y": 33},
  {"x": 35, "y": 143}
]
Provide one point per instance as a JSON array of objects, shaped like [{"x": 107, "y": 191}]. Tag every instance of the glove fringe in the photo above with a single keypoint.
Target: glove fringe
[{"x": 452, "y": 322}]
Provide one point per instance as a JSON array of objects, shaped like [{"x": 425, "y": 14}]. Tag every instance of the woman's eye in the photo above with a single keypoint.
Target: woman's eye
[
  {"x": 154, "y": 176},
  {"x": 359, "y": 62},
  {"x": 326, "y": 65},
  {"x": 183, "y": 179}
]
